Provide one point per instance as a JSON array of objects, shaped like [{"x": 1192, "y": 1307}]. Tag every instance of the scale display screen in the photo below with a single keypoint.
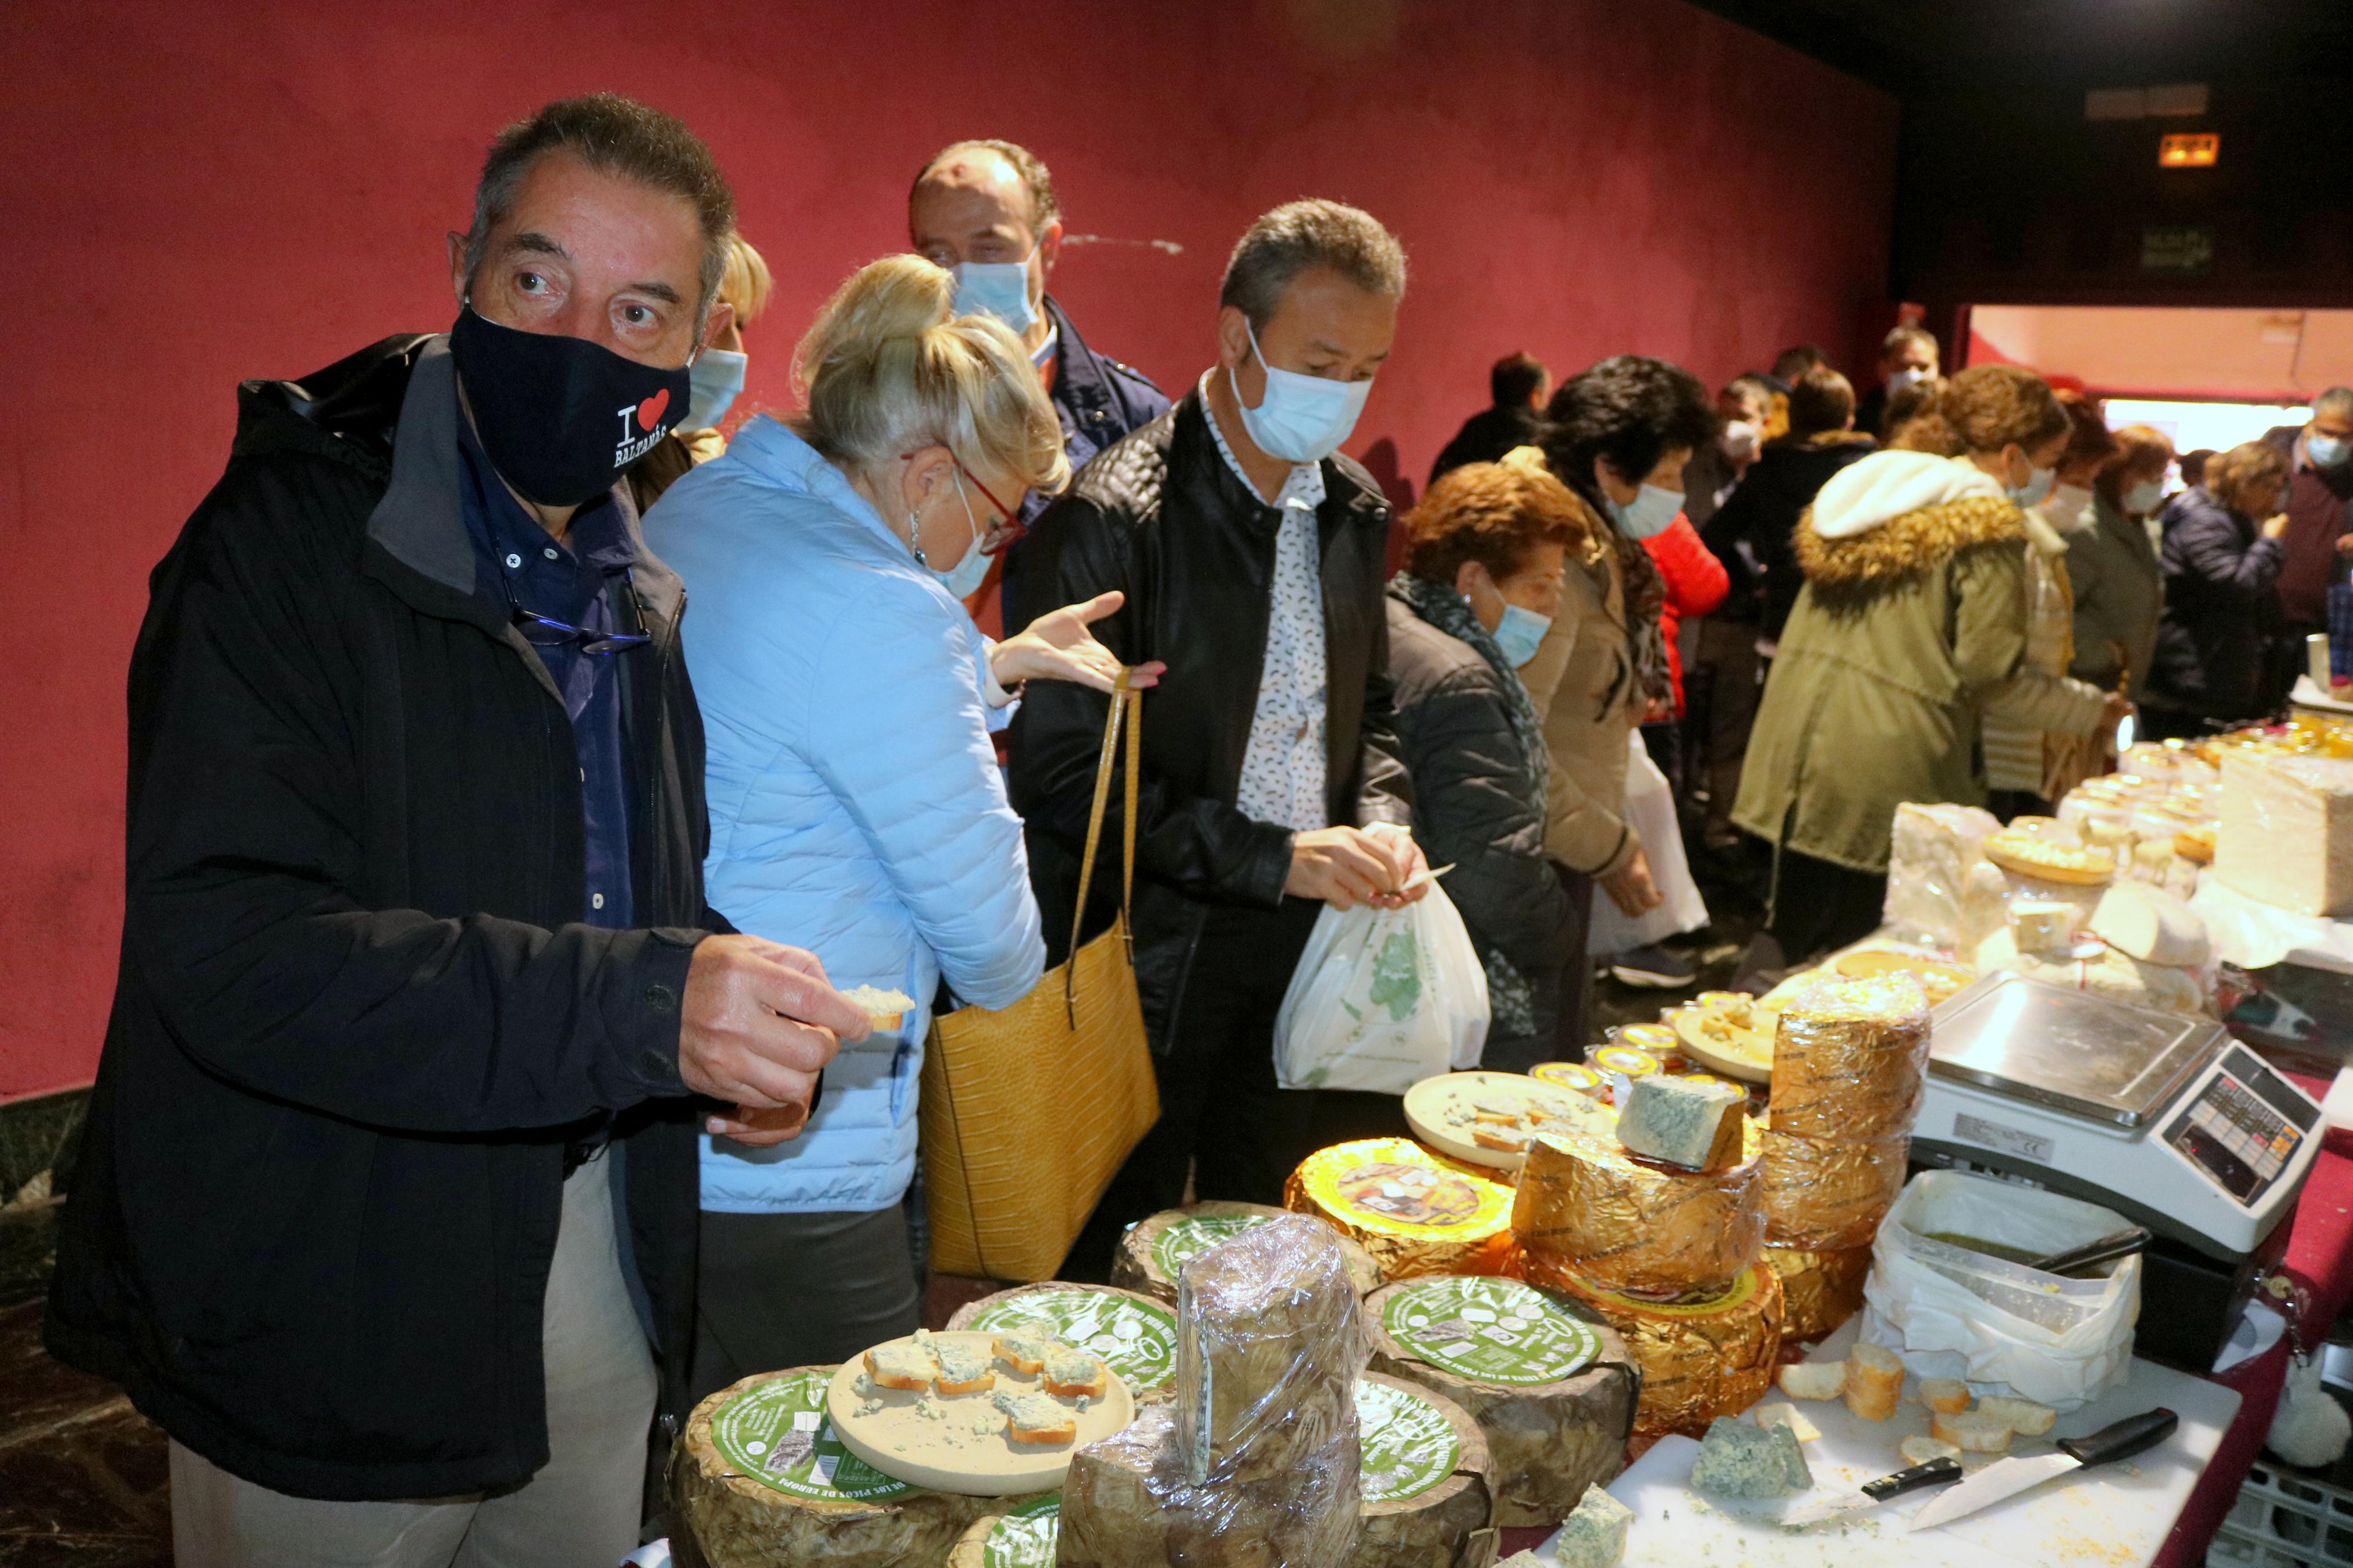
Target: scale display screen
[{"x": 2243, "y": 1128}]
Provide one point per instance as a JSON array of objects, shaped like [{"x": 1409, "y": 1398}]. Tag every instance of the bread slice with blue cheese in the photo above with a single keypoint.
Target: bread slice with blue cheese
[
  {"x": 1742, "y": 1461},
  {"x": 965, "y": 1367},
  {"x": 1074, "y": 1374},
  {"x": 902, "y": 1366},
  {"x": 1033, "y": 1417},
  {"x": 1026, "y": 1351},
  {"x": 1694, "y": 1122}
]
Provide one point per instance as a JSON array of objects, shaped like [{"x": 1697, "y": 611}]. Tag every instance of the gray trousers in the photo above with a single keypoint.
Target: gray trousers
[
  {"x": 580, "y": 1510},
  {"x": 777, "y": 1290}
]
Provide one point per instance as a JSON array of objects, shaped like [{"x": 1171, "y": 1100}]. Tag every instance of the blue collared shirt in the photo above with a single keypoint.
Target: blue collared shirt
[{"x": 582, "y": 582}]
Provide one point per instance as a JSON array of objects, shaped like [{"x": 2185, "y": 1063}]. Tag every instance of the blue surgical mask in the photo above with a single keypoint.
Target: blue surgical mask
[
  {"x": 716, "y": 376},
  {"x": 999, "y": 289},
  {"x": 2142, "y": 498},
  {"x": 1518, "y": 633},
  {"x": 964, "y": 579},
  {"x": 2326, "y": 451},
  {"x": 2036, "y": 488},
  {"x": 1302, "y": 418},
  {"x": 1650, "y": 513}
]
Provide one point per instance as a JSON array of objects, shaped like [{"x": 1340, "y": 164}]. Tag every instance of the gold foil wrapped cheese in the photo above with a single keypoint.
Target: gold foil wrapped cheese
[
  {"x": 1850, "y": 1058},
  {"x": 1700, "y": 1359},
  {"x": 1412, "y": 1210},
  {"x": 1588, "y": 1207},
  {"x": 1829, "y": 1193},
  {"x": 1819, "y": 1291}
]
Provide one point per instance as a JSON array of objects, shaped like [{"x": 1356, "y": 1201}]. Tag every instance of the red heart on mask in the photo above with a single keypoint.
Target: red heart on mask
[{"x": 649, "y": 412}]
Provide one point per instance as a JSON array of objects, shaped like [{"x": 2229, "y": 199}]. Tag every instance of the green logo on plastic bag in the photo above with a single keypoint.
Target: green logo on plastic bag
[
  {"x": 1409, "y": 1445},
  {"x": 1496, "y": 1330},
  {"x": 1397, "y": 977},
  {"x": 777, "y": 1434},
  {"x": 1188, "y": 1239},
  {"x": 1136, "y": 1339},
  {"x": 1025, "y": 1537}
]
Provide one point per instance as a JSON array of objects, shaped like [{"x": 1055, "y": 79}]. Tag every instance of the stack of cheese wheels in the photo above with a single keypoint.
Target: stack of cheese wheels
[
  {"x": 759, "y": 1480},
  {"x": 1588, "y": 1209},
  {"x": 1134, "y": 1335},
  {"x": 1552, "y": 1389},
  {"x": 1426, "y": 1499},
  {"x": 1153, "y": 1251},
  {"x": 1702, "y": 1357},
  {"x": 1819, "y": 1291},
  {"x": 1412, "y": 1211},
  {"x": 1850, "y": 1066}
]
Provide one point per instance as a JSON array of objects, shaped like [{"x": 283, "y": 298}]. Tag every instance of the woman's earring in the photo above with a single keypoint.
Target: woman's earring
[{"x": 915, "y": 538}]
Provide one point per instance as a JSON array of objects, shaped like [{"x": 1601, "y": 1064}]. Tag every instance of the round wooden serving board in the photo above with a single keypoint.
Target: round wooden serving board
[
  {"x": 1428, "y": 1103},
  {"x": 947, "y": 1453}
]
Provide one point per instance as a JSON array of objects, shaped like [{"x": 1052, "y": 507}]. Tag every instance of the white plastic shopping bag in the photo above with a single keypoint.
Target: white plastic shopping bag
[
  {"x": 1954, "y": 1311},
  {"x": 1651, "y": 813},
  {"x": 1382, "y": 999}
]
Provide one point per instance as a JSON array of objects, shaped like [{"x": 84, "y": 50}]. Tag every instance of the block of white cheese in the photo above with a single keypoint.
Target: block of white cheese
[
  {"x": 1694, "y": 1122},
  {"x": 1595, "y": 1535},
  {"x": 2286, "y": 833},
  {"x": 2152, "y": 925},
  {"x": 2042, "y": 926},
  {"x": 1738, "y": 1461},
  {"x": 1931, "y": 894}
]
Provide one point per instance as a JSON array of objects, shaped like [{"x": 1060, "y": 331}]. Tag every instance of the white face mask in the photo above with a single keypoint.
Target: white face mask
[
  {"x": 1302, "y": 418},
  {"x": 1907, "y": 377},
  {"x": 1650, "y": 513},
  {"x": 2038, "y": 484},
  {"x": 1741, "y": 439},
  {"x": 717, "y": 377},
  {"x": 2067, "y": 502},
  {"x": 999, "y": 289},
  {"x": 2142, "y": 498}
]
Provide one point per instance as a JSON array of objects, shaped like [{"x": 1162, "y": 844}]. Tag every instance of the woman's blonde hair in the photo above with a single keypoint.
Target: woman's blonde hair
[
  {"x": 2249, "y": 471},
  {"x": 886, "y": 368},
  {"x": 745, "y": 283},
  {"x": 1983, "y": 409}
]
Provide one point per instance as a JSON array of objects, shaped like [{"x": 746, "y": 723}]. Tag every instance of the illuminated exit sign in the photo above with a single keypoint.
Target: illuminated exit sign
[{"x": 2191, "y": 150}]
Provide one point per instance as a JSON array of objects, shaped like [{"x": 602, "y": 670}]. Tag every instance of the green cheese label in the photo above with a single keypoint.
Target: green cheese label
[
  {"x": 777, "y": 1434},
  {"x": 1025, "y": 1537},
  {"x": 1195, "y": 1235},
  {"x": 1407, "y": 1444},
  {"x": 1496, "y": 1330},
  {"x": 1136, "y": 1339}
]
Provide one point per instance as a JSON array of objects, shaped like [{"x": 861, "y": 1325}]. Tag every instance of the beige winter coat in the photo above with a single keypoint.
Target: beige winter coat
[
  {"x": 2047, "y": 712},
  {"x": 1583, "y": 682}
]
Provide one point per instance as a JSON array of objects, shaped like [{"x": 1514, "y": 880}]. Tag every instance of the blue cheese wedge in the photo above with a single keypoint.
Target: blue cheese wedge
[
  {"x": 1694, "y": 1122},
  {"x": 1738, "y": 1461},
  {"x": 1595, "y": 1535}
]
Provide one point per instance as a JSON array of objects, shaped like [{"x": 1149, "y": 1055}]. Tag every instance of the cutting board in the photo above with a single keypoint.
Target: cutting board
[{"x": 2115, "y": 1516}]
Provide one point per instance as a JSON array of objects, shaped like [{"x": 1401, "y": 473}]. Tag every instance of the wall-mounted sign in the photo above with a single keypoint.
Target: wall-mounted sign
[
  {"x": 2189, "y": 150},
  {"x": 2184, "y": 251}
]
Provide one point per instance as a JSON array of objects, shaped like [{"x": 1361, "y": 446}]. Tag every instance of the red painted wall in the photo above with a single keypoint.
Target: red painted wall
[{"x": 193, "y": 194}]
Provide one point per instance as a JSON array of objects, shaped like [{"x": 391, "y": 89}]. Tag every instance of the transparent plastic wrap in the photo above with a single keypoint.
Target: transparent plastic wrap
[
  {"x": 1589, "y": 1208},
  {"x": 1155, "y": 1250},
  {"x": 1956, "y": 1311},
  {"x": 1269, "y": 1342},
  {"x": 1820, "y": 1289},
  {"x": 1129, "y": 1500},
  {"x": 1932, "y": 895},
  {"x": 1829, "y": 1195},
  {"x": 1700, "y": 1359},
  {"x": 2286, "y": 833},
  {"x": 1851, "y": 1059}
]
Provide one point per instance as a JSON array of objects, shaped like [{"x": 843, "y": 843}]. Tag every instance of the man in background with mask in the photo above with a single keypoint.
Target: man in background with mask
[
  {"x": 1251, "y": 555},
  {"x": 1907, "y": 357},
  {"x": 2313, "y": 578},
  {"x": 1517, "y": 386},
  {"x": 716, "y": 379},
  {"x": 987, "y": 211},
  {"x": 386, "y": 1207}
]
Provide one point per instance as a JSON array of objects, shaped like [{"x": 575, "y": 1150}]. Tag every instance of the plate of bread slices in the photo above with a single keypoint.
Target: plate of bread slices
[
  {"x": 978, "y": 1414},
  {"x": 1490, "y": 1118}
]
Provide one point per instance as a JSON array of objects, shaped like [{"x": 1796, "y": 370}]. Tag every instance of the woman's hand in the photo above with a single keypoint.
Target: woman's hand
[
  {"x": 2276, "y": 527},
  {"x": 1059, "y": 646},
  {"x": 1631, "y": 889}
]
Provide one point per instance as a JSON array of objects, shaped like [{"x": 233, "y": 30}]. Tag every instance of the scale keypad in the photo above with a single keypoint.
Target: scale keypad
[{"x": 2240, "y": 1131}]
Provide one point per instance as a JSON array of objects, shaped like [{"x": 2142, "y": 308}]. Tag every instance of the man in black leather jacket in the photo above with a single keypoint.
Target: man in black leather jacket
[
  {"x": 391, "y": 1176},
  {"x": 1271, "y": 783}
]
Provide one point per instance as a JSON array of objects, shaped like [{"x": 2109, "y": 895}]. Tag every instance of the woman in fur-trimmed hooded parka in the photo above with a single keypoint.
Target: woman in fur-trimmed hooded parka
[{"x": 1911, "y": 629}]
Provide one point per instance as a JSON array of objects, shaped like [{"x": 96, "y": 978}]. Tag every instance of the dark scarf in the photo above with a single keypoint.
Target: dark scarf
[{"x": 1449, "y": 612}]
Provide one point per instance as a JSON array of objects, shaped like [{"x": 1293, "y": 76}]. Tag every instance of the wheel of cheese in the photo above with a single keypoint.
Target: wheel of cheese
[
  {"x": 1553, "y": 1391},
  {"x": 1134, "y": 1335},
  {"x": 1569, "y": 1074},
  {"x": 1819, "y": 1291},
  {"x": 1131, "y": 1501},
  {"x": 1413, "y": 1212},
  {"x": 2041, "y": 858},
  {"x": 1024, "y": 1538},
  {"x": 758, "y": 1479},
  {"x": 1850, "y": 1058},
  {"x": 1154, "y": 1250},
  {"x": 1587, "y": 1206},
  {"x": 1270, "y": 1339},
  {"x": 1700, "y": 1359},
  {"x": 1424, "y": 1474},
  {"x": 1827, "y": 1194}
]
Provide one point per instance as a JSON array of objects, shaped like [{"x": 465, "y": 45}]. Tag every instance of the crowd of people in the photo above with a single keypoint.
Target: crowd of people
[{"x": 482, "y": 1082}]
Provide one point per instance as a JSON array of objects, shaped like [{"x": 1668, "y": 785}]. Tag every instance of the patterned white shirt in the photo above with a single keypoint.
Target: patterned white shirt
[{"x": 1284, "y": 768}]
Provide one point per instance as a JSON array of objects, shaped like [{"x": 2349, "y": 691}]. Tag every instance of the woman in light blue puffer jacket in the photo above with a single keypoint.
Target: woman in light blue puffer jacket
[{"x": 856, "y": 805}]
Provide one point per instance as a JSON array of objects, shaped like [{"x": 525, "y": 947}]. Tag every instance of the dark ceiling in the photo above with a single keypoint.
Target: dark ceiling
[{"x": 1912, "y": 47}]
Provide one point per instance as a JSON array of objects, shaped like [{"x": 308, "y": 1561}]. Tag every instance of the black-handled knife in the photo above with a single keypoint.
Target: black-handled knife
[
  {"x": 1871, "y": 1494},
  {"x": 2132, "y": 1435},
  {"x": 2107, "y": 1249}
]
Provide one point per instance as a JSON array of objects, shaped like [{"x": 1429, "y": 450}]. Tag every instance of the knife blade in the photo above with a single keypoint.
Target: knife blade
[
  {"x": 1871, "y": 1494},
  {"x": 2132, "y": 1435}
]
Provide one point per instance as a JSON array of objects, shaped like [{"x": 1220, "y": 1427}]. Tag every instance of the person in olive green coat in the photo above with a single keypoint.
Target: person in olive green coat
[
  {"x": 1911, "y": 629},
  {"x": 2112, "y": 561}
]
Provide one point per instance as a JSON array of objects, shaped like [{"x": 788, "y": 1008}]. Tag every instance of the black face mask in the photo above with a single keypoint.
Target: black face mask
[{"x": 559, "y": 418}]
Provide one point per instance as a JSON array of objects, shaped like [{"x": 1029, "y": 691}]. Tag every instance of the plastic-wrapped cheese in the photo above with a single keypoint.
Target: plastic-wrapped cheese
[
  {"x": 1154, "y": 1250},
  {"x": 1700, "y": 1359},
  {"x": 2145, "y": 923},
  {"x": 1851, "y": 1059},
  {"x": 2286, "y": 833},
  {"x": 2042, "y": 926},
  {"x": 1829, "y": 1195},
  {"x": 1019, "y": 1538},
  {"x": 759, "y": 1480},
  {"x": 1131, "y": 1499},
  {"x": 1270, "y": 1340},
  {"x": 1820, "y": 1289},
  {"x": 2104, "y": 972},
  {"x": 1424, "y": 1473},
  {"x": 1588, "y": 1207},
  {"x": 1552, "y": 1388},
  {"x": 1931, "y": 894}
]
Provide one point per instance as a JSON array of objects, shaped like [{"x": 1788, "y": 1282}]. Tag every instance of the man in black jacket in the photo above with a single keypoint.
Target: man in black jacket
[
  {"x": 390, "y": 1176},
  {"x": 987, "y": 211},
  {"x": 1251, "y": 554},
  {"x": 1517, "y": 386}
]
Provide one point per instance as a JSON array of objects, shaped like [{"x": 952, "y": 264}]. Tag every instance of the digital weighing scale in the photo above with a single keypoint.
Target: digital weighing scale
[{"x": 2163, "y": 1118}]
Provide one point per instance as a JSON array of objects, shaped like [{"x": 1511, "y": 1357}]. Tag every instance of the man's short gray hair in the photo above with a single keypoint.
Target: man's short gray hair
[
  {"x": 1301, "y": 234},
  {"x": 2337, "y": 400},
  {"x": 613, "y": 135},
  {"x": 1044, "y": 206}
]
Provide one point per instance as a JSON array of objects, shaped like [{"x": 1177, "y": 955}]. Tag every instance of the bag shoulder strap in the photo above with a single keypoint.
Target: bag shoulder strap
[{"x": 1126, "y": 703}]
